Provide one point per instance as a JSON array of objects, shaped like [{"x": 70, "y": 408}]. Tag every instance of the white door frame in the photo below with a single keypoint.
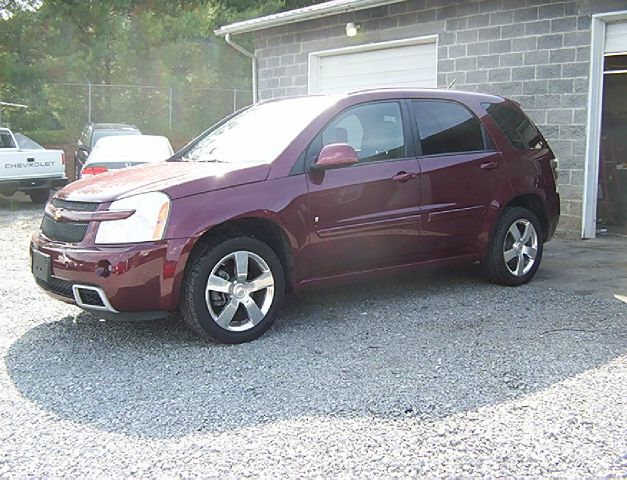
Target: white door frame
[
  {"x": 313, "y": 77},
  {"x": 593, "y": 130}
]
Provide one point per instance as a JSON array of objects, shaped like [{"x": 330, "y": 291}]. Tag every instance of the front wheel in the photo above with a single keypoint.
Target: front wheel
[
  {"x": 515, "y": 248},
  {"x": 233, "y": 290}
]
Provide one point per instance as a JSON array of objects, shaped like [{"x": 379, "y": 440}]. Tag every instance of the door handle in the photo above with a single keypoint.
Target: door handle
[
  {"x": 403, "y": 177},
  {"x": 489, "y": 165}
]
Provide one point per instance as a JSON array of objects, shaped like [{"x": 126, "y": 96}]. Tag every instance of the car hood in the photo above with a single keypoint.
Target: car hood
[{"x": 177, "y": 179}]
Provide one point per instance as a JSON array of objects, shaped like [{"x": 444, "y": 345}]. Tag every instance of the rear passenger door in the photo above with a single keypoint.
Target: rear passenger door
[{"x": 459, "y": 175}]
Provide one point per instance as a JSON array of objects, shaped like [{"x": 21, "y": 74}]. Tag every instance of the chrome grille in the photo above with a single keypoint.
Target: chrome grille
[
  {"x": 76, "y": 206},
  {"x": 69, "y": 232}
]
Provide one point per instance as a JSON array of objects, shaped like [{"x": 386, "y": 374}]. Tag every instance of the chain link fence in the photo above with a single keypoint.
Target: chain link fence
[{"x": 57, "y": 112}]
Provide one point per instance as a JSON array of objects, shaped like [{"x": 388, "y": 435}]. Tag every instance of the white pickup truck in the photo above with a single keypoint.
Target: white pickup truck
[{"x": 34, "y": 171}]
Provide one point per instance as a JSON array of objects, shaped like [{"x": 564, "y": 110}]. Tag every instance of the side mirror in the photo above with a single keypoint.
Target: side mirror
[{"x": 336, "y": 155}]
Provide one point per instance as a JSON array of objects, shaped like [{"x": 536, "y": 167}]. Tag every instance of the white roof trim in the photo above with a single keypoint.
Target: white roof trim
[{"x": 334, "y": 7}]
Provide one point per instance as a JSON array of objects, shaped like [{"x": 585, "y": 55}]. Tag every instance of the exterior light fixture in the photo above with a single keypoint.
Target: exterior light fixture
[{"x": 352, "y": 29}]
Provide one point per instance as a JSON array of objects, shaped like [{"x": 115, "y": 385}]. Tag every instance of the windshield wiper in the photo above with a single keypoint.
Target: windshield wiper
[
  {"x": 204, "y": 160},
  {"x": 210, "y": 160}
]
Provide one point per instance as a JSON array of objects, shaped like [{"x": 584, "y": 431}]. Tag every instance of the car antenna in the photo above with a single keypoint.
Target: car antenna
[{"x": 452, "y": 83}]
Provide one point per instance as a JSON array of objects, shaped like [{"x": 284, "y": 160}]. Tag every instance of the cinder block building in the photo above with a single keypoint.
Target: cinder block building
[{"x": 564, "y": 62}]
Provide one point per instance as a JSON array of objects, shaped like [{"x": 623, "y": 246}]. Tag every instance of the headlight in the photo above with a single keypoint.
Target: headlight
[{"x": 146, "y": 224}]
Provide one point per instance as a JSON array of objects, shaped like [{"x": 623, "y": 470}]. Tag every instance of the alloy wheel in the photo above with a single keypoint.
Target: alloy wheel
[
  {"x": 239, "y": 291},
  {"x": 520, "y": 247}
]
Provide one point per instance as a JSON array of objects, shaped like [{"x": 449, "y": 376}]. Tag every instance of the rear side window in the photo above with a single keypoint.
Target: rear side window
[
  {"x": 6, "y": 141},
  {"x": 447, "y": 127},
  {"x": 519, "y": 130}
]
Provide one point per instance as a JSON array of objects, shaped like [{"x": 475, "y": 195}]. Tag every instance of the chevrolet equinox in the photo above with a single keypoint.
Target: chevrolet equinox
[{"x": 302, "y": 191}]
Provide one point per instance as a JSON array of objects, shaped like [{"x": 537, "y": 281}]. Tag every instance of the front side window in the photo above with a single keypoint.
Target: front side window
[
  {"x": 519, "y": 130},
  {"x": 447, "y": 127},
  {"x": 374, "y": 130}
]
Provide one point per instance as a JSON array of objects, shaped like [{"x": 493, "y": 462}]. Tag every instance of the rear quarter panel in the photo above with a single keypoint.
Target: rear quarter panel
[{"x": 525, "y": 172}]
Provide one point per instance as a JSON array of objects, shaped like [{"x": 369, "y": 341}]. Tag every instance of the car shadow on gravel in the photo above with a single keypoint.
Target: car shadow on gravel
[
  {"x": 19, "y": 202},
  {"x": 424, "y": 347}
]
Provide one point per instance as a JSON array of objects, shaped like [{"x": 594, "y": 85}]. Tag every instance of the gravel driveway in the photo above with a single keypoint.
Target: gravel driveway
[{"x": 435, "y": 375}]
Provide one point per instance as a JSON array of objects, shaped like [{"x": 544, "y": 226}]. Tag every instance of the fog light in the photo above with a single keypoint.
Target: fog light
[{"x": 103, "y": 268}]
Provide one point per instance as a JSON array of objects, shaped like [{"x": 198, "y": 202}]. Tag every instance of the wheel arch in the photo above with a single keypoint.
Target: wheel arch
[
  {"x": 532, "y": 201},
  {"x": 260, "y": 228}
]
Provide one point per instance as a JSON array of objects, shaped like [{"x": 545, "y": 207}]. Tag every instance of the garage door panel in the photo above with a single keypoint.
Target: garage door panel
[
  {"x": 412, "y": 65},
  {"x": 364, "y": 86},
  {"x": 356, "y": 87},
  {"x": 422, "y": 77},
  {"x": 386, "y": 57},
  {"x": 616, "y": 38},
  {"x": 339, "y": 67},
  {"x": 384, "y": 74}
]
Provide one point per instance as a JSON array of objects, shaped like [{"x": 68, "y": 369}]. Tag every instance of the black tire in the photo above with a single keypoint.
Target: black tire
[
  {"x": 39, "y": 196},
  {"x": 494, "y": 263},
  {"x": 193, "y": 306}
]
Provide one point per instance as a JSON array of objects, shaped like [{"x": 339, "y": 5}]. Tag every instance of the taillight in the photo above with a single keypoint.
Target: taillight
[
  {"x": 87, "y": 171},
  {"x": 62, "y": 158},
  {"x": 555, "y": 168}
]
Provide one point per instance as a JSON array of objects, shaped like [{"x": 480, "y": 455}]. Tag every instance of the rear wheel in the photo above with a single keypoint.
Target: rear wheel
[
  {"x": 39, "y": 196},
  {"x": 233, "y": 290},
  {"x": 515, "y": 249}
]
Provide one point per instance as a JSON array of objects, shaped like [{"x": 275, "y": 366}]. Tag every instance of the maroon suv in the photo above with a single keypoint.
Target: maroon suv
[{"x": 301, "y": 191}]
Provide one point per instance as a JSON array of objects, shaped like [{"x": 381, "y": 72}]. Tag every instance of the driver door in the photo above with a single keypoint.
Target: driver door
[{"x": 367, "y": 215}]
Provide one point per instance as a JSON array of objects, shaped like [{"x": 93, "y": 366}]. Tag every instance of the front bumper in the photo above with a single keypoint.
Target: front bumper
[{"x": 141, "y": 279}]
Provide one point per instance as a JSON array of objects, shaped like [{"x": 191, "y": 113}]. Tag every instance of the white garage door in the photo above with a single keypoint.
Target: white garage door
[
  {"x": 407, "y": 63},
  {"x": 616, "y": 38}
]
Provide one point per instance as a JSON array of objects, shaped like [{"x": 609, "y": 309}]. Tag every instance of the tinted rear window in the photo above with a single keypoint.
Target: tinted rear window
[
  {"x": 519, "y": 130},
  {"x": 447, "y": 127}
]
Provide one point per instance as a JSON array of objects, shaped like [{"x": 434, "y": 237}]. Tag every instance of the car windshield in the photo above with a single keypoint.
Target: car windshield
[
  {"x": 259, "y": 134},
  {"x": 127, "y": 148},
  {"x": 98, "y": 134}
]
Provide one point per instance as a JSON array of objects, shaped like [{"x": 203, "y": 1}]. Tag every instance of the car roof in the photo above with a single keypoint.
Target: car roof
[
  {"x": 113, "y": 126},
  {"x": 428, "y": 92},
  {"x": 404, "y": 92}
]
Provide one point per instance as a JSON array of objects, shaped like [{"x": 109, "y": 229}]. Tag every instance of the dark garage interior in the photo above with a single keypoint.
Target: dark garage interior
[{"x": 612, "y": 192}]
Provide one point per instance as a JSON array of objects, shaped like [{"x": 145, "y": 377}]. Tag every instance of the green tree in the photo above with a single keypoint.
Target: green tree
[{"x": 167, "y": 44}]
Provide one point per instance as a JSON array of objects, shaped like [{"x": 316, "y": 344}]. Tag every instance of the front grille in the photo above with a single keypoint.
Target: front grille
[
  {"x": 70, "y": 232},
  {"x": 76, "y": 206},
  {"x": 63, "y": 288}
]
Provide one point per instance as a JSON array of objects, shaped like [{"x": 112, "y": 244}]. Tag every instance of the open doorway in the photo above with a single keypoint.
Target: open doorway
[{"x": 612, "y": 190}]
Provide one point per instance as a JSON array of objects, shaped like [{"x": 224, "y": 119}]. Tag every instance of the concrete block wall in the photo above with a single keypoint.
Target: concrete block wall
[{"x": 535, "y": 52}]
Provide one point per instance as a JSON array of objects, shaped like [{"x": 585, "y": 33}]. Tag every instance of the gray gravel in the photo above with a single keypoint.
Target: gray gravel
[{"x": 434, "y": 375}]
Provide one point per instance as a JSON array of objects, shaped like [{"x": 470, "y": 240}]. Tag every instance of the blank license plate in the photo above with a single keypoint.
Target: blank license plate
[{"x": 41, "y": 266}]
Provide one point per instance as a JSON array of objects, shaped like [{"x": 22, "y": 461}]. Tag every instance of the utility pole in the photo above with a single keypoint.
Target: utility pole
[
  {"x": 170, "y": 110},
  {"x": 88, "y": 102}
]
